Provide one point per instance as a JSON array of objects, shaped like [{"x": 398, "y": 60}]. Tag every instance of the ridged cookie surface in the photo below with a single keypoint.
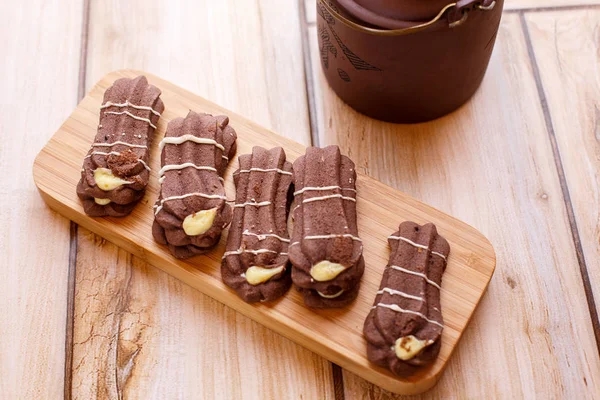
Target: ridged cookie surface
[{"x": 115, "y": 171}]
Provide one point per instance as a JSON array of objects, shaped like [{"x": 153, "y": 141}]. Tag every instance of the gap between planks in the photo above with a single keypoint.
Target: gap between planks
[
  {"x": 309, "y": 81},
  {"x": 309, "y": 84},
  {"x": 308, "y": 74},
  {"x": 70, "y": 321},
  {"x": 563, "y": 184},
  {"x": 336, "y": 370}
]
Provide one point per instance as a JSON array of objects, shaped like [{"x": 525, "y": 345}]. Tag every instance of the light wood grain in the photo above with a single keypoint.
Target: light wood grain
[
  {"x": 496, "y": 149},
  {"x": 335, "y": 334},
  {"x": 541, "y": 4},
  {"x": 243, "y": 55},
  {"x": 136, "y": 349},
  {"x": 567, "y": 48},
  {"x": 36, "y": 97},
  {"x": 246, "y": 55}
]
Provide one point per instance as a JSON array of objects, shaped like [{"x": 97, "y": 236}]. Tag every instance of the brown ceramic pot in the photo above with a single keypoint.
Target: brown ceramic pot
[{"x": 409, "y": 69}]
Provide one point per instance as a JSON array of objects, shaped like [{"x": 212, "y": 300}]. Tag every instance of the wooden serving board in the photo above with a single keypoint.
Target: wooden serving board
[{"x": 334, "y": 334}]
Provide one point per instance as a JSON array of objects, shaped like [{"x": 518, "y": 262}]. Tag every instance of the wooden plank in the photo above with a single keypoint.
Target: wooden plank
[
  {"x": 545, "y": 4},
  {"x": 311, "y": 11},
  {"x": 245, "y": 56},
  {"x": 150, "y": 336},
  {"x": 495, "y": 148},
  {"x": 567, "y": 50},
  {"x": 335, "y": 334},
  {"x": 40, "y": 62},
  {"x": 249, "y": 58}
]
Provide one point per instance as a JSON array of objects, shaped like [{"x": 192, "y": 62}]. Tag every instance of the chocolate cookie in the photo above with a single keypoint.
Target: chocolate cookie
[
  {"x": 404, "y": 327},
  {"x": 255, "y": 262},
  {"x": 325, "y": 251},
  {"x": 115, "y": 171},
  {"x": 191, "y": 210}
]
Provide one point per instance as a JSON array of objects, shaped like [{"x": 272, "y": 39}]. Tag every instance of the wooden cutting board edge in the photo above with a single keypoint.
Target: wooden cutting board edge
[{"x": 291, "y": 329}]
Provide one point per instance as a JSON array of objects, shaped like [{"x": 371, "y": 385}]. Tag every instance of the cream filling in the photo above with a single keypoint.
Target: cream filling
[
  {"x": 102, "y": 202},
  {"x": 325, "y": 271},
  {"x": 257, "y": 275},
  {"x": 331, "y": 296},
  {"x": 107, "y": 181},
  {"x": 408, "y": 347},
  {"x": 199, "y": 222}
]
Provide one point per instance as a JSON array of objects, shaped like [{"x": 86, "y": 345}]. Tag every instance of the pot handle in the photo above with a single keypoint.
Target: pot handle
[
  {"x": 457, "y": 13},
  {"x": 460, "y": 12}
]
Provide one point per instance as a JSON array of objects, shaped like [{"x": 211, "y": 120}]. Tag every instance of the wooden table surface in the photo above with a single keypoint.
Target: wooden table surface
[{"x": 521, "y": 162}]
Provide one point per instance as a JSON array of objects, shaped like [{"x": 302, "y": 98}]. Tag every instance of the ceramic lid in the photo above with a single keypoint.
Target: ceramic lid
[{"x": 393, "y": 14}]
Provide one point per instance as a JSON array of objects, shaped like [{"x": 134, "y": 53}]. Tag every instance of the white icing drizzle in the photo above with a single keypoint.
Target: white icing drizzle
[
  {"x": 188, "y": 138},
  {"x": 280, "y": 171},
  {"x": 183, "y": 196},
  {"x": 332, "y": 236},
  {"x": 138, "y": 146},
  {"x": 399, "y": 309},
  {"x": 171, "y": 167},
  {"x": 294, "y": 244},
  {"x": 420, "y": 246},
  {"x": 259, "y": 251},
  {"x": 263, "y": 236},
  {"x": 128, "y": 104},
  {"x": 331, "y": 196},
  {"x": 408, "y": 271},
  {"x": 252, "y": 203},
  {"x": 115, "y": 153},
  {"x": 399, "y": 293},
  {"x": 439, "y": 254},
  {"x": 132, "y": 116},
  {"x": 314, "y": 188}
]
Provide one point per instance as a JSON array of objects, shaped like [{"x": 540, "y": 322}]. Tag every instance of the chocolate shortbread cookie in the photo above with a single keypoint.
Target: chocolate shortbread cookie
[
  {"x": 255, "y": 262},
  {"x": 325, "y": 251},
  {"x": 191, "y": 210},
  {"x": 115, "y": 171},
  {"x": 404, "y": 327}
]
